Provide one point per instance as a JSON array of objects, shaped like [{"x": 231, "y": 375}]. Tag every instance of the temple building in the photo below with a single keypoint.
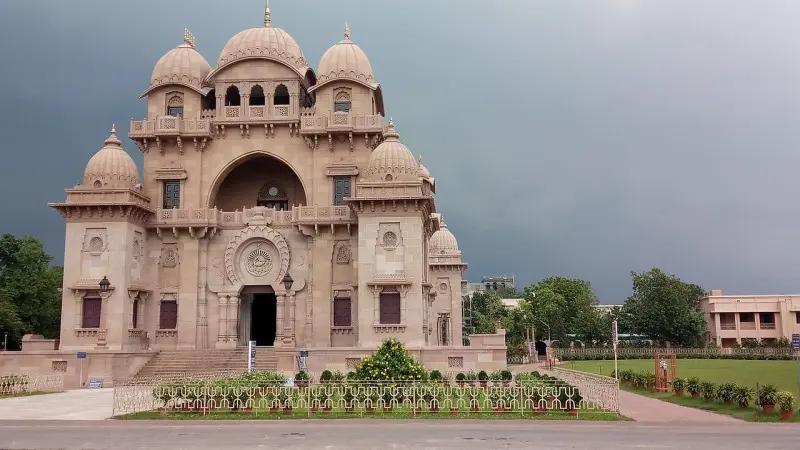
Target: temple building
[{"x": 276, "y": 205}]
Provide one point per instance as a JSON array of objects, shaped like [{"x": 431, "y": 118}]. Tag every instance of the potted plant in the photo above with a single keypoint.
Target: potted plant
[
  {"x": 348, "y": 398},
  {"x": 325, "y": 401},
  {"x": 460, "y": 378},
  {"x": 506, "y": 376},
  {"x": 326, "y": 376},
  {"x": 455, "y": 398},
  {"x": 301, "y": 379},
  {"x": 767, "y": 397},
  {"x": 785, "y": 402},
  {"x": 495, "y": 377},
  {"x": 693, "y": 386},
  {"x": 471, "y": 377},
  {"x": 679, "y": 385},
  {"x": 483, "y": 378},
  {"x": 436, "y": 376},
  {"x": 708, "y": 389},
  {"x": 725, "y": 392},
  {"x": 743, "y": 395}
]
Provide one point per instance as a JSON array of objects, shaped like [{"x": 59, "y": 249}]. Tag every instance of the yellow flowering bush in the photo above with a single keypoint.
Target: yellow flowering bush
[{"x": 390, "y": 362}]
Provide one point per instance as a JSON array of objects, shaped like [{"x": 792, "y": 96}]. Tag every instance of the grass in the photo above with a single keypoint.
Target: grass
[
  {"x": 24, "y": 394},
  {"x": 783, "y": 374},
  {"x": 750, "y": 414},
  {"x": 396, "y": 413}
]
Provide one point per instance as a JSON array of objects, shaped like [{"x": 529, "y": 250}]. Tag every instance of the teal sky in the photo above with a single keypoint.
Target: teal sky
[{"x": 575, "y": 138}]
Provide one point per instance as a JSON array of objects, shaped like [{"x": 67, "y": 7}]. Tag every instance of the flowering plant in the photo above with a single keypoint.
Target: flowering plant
[{"x": 390, "y": 362}]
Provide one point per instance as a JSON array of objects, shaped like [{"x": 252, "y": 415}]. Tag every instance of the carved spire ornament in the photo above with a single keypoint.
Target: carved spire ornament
[
  {"x": 346, "y": 32},
  {"x": 188, "y": 37},
  {"x": 267, "y": 16}
]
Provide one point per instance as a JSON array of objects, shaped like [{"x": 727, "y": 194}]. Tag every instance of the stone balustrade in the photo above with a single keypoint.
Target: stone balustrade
[
  {"x": 212, "y": 217},
  {"x": 170, "y": 126},
  {"x": 314, "y": 123}
]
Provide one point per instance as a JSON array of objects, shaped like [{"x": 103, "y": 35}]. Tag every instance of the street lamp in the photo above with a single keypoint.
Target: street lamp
[
  {"x": 104, "y": 284},
  {"x": 287, "y": 281}
]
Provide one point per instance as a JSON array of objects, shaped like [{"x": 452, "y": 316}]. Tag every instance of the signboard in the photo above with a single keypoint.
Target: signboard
[
  {"x": 304, "y": 353},
  {"x": 796, "y": 341},
  {"x": 81, "y": 355},
  {"x": 614, "y": 332},
  {"x": 251, "y": 355},
  {"x": 301, "y": 361},
  {"x": 95, "y": 383}
]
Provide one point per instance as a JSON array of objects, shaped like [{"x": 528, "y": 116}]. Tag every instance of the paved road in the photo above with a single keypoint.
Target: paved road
[
  {"x": 81, "y": 404},
  {"x": 387, "y": 434}
]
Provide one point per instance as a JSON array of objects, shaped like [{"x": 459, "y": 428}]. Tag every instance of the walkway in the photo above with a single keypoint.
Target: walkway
[
  {"x": 80, "y": 404},
  {"x": 650, "y": 410}
]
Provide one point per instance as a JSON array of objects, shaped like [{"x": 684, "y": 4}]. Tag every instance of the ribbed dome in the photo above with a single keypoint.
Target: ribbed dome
[
  {"x": 443, "y": 241},
  {"x": 423, "y": 172},
  {"x": 391, "y": 160},
  {"x": 182, "y": 65},
  {"x": 345, "y": 61},
  {"x": 264, "y": 42},
  {"x": 111, "y": 167}
]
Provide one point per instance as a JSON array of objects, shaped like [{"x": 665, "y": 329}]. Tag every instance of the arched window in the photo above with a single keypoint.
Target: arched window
[
  {"x": 341, "y": 100},
  {"x": 175, "y": 104},
  {"x": 273, "y": 196},
  {"x": 209, "y": 101},
  {"x": 232, "y": 97},
  {"x": 281, "y": 95},
  {"x": 257, "y": 96},
  {"x": 135, "y": 314}
]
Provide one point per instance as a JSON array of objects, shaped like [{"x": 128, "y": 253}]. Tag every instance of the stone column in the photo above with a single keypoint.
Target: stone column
[
  {"x": 233, "y": 314},
  {"x": 309, "y": 331},
  {"x": 223, "y": 319},
  {"x": 289, "y": 334},
  {"x": 717, "y": 329},
  {"x": 280, "y": 311},
  {"x": 202, "y": 301},
  {"x": 103, "y": 331}
]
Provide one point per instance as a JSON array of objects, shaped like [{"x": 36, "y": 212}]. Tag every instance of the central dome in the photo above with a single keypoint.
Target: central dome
[
  {"x": 264, "y": 42},
  {"x": 391, "y": 160}
]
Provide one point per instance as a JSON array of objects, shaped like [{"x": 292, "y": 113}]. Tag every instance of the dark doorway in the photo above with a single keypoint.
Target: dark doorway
[
  {"x": 263, "y": 319},
  {"x": 541, "y": 348}
]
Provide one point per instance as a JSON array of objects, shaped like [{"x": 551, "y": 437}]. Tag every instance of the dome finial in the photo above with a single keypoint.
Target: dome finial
[
  {"x": 188, "y": 37},
  {"x": 113, "y": 140},
  {"x": 420, "y": 160},
  {"x": 267, "y": 16},
  {"x": 391, "y": 132},
  {"x": 346, "y": 32}
]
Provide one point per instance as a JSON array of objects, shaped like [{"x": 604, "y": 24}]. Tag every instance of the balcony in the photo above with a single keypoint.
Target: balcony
[
  {"x": 314, "y": 123},
  {"x": 258, "y": 114},
  {"x": 747, "y": 325},
  {"x": 767, "y": 326},
  {"x": 200, "y": 222},
  {"x": 727, "y": 326},
  {"x": 169, "y": 126}
]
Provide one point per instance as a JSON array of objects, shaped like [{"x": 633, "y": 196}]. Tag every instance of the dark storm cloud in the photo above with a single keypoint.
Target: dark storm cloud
[{"x": 585, "y": 139}]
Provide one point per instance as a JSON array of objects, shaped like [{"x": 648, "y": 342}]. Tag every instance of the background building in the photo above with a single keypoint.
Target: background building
[{"x": 732, "y": 318}]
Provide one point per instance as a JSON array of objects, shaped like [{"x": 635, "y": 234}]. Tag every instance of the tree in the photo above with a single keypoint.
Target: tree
[
  {"x": 666, "y": 309},
  {"x": 485, "y": 307},
  {"x": 29, "y": 297}
]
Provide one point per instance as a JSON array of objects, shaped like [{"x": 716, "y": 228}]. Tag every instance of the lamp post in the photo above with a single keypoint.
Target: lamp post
[
  {"x": 287, "y": 281},
  {"x": 5, "y": 341},
  {"x": 104, "y": 284}
]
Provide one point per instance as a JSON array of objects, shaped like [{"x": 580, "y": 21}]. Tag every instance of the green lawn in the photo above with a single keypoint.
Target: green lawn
[{"x": 783, "y": 374}]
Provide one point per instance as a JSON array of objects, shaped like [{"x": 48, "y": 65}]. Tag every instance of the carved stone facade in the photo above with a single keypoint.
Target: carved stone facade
[{"x": 239, "y": 196}]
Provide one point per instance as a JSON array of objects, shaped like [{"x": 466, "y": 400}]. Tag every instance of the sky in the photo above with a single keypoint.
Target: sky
[{"x": 584, "y": 139}]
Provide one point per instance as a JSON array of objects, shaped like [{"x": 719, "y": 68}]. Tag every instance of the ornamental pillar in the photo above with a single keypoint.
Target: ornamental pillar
[
  {"x": 223, "y": 318},
  {"x": 288, "y": 334},
  {"x": 280, "y": 311},
  {"x": 233, "y": 315}
]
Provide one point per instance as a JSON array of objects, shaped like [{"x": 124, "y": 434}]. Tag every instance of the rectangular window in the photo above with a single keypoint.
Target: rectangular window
[
  {"x": 341, "y": 190},
  {"x": 341, "y": 312},
  {"x": 797, "y": 317},
  {"x": 172, "y": 194},
  {"x": 175, "y": 111},
  {"x": 91, "y": 312},
  {"x": 341, "y": 107},
  {"x": 168, "y": 316},
  {"x": 390, "y": 308}
]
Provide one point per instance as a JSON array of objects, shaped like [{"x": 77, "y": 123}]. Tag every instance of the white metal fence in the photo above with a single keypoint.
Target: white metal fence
[{"x": 25, "y": 383}]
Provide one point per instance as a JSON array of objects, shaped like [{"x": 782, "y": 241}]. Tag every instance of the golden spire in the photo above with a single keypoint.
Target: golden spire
[
  {"x": 267, "y": 16},
  {"x": 188, "y": 37},
  {"x": 346, "y": 32}
]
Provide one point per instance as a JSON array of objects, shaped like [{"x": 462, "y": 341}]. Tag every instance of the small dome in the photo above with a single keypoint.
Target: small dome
[
  {"x": 264, "y": 42},
  {"x": 391, "y": 160},
  {"x": 443, "y": 241},
  {"x": 111, "y": 167},
  {"x": 345, "y": 61},
  {"x": 423, "y": 172},
  {"x": 182, "y": 65}
]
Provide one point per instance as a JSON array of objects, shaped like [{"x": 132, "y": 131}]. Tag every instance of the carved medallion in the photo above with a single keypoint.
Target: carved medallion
[
  {"x": 389, "y": 239},
  {"x": 96, "y": 245},
  {"x": 343, "y": 254},
  {"x": 259, "y": 261},
  {"x": 137, "y": 249},
  {"x": 170, "y": 258}
]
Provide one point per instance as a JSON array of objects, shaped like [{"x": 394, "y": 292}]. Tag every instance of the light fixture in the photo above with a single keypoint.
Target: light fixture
[
  {"x": 287, "y": 281},
  {"x": 104, "y": 284}
]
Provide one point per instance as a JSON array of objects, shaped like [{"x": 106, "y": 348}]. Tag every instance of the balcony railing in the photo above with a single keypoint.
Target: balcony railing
[
  {"x": 307, "y": 215},
  {"x": 727, "y": 326},
  {"x": 747, "y": 325},
  {"x": 767, "y": 326},
  {"x": 170, "y": 126},
  {"x": 313, "y": 123}
]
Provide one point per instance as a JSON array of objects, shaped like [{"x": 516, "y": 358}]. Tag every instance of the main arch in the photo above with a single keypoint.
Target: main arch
[{"x": 257, "y": 179}]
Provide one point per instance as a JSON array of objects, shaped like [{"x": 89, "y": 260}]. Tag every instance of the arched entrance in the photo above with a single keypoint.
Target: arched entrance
[
  {"x": 258, "y": 316},
  {"x": 541, "y": 348},
  {"x": 257, "y": 179}
]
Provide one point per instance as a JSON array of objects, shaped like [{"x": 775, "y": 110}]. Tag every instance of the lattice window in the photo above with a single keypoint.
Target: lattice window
[
  {"x": 352, "y": 363},
  {"x": 455, "y": 361},
  {"x": 168, "y": 315},
  {"x": 59, "y": 366},
  {"x": 390, "y": 308},
  {"x": 342, "y": 312},
  {"x": 90, "y": 312}
]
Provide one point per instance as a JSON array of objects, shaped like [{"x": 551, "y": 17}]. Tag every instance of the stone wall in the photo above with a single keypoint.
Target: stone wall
[{"x": 108, "y": 366}]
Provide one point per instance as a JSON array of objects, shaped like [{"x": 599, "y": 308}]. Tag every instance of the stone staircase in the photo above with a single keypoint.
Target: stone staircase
[{"x": 175, "y": 363}]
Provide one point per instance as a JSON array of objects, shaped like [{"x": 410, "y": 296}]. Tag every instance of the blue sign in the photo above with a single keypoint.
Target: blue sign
[
  {"x": 796, "y": 341},
  {"x": 95, "y": 383},
  {"x": 251, "y": 358},
  {"x": 81, "y": 355},
  {"x": 304, "y": 353}
]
